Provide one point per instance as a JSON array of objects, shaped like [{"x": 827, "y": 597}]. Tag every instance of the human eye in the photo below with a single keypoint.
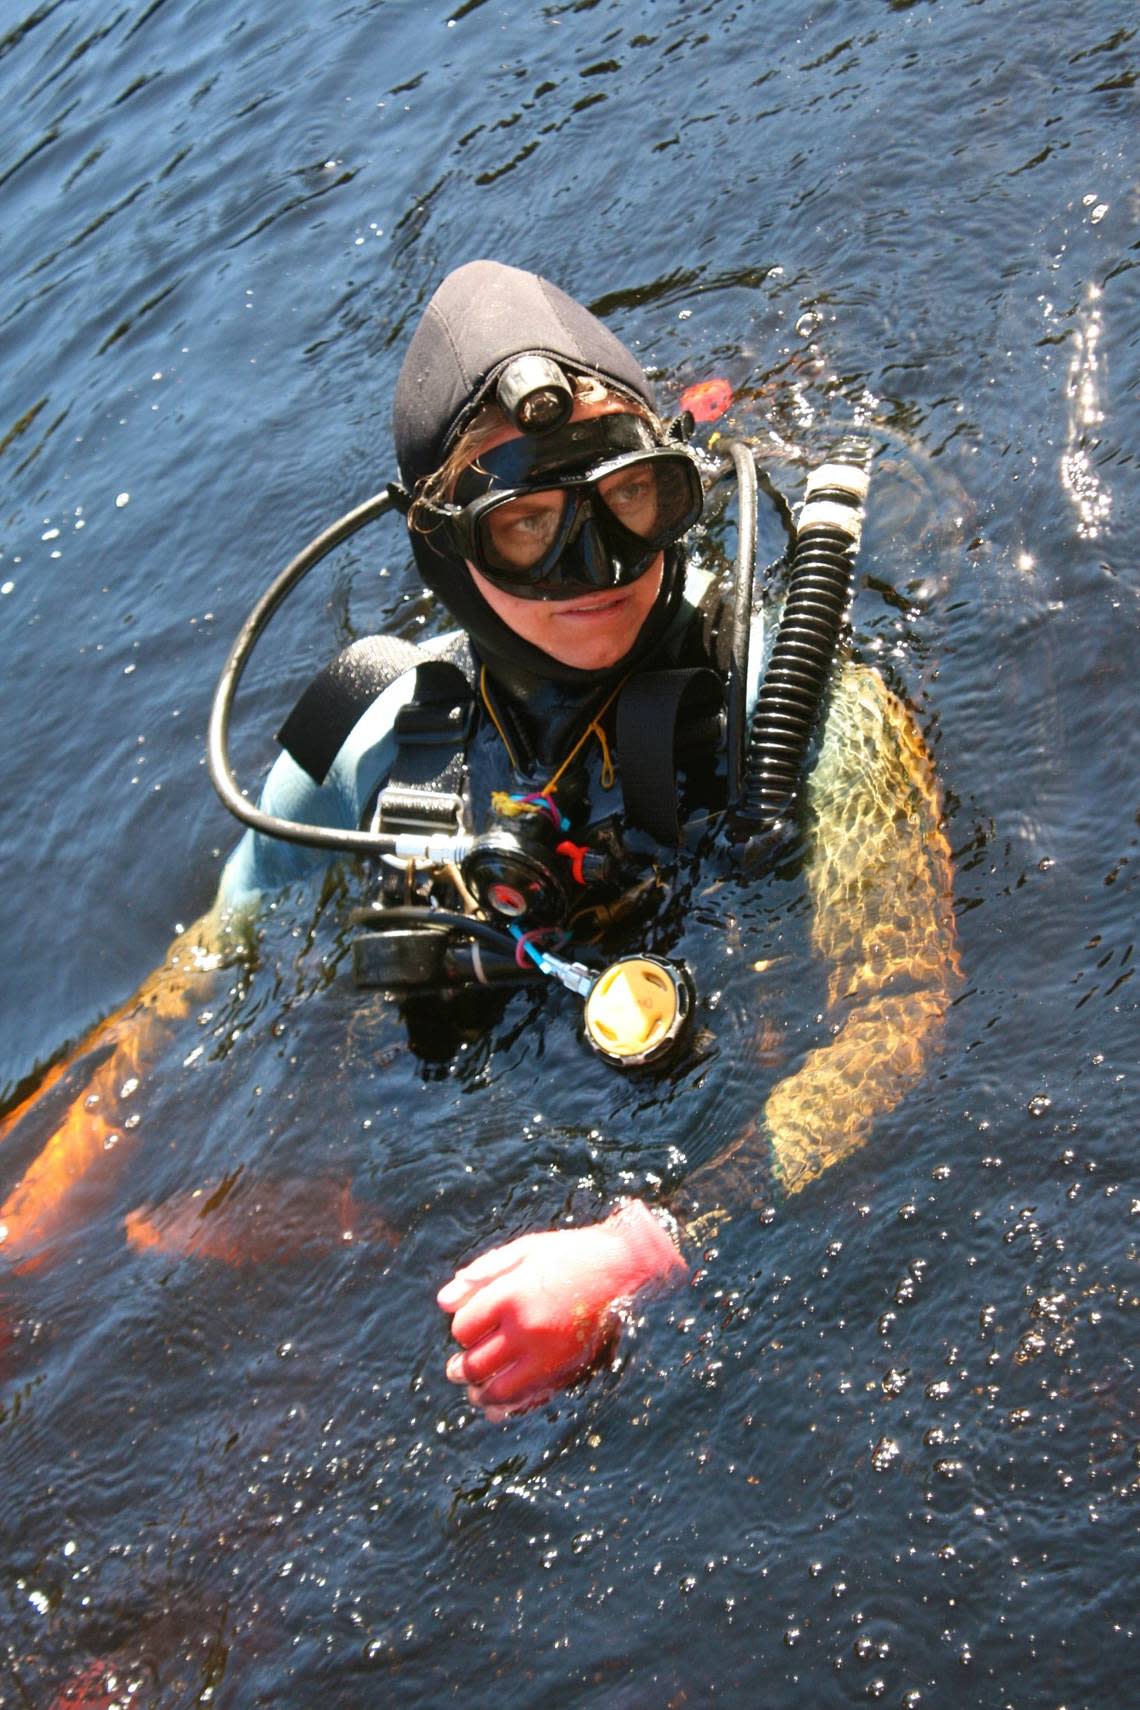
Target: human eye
[
  {"x": 631, "y": 495},
  {"x": 626, "y": 491},
  {"x": 522, "y": 529},
  {"x": 529, "y": 520}
]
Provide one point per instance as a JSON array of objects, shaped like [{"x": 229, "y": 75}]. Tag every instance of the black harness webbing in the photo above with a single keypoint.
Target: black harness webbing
[
  {"x": 426, "y": 785},
  {"x": 648, "y": 711},
  {"x": 315, "y": 730}
]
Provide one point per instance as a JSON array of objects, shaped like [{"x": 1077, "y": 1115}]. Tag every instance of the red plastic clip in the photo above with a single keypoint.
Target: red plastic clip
[{"x": 575, "y": 853}]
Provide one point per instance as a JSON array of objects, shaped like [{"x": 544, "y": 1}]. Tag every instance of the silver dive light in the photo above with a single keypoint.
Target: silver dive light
[{"x": 534, "y": 394}]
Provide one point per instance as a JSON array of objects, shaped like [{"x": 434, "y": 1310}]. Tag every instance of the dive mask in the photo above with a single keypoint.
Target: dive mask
[{"x": 589, "y": 505}]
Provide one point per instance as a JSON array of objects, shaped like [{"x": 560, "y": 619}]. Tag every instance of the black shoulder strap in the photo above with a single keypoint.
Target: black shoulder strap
[
  {"x": 648, "y": 710},
  {"x": 427, "y": 780},
  {"x": 338, "y": 697}
]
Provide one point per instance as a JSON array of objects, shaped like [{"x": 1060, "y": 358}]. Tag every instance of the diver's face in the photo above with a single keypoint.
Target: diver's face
[{"x": 593, "y": 630}]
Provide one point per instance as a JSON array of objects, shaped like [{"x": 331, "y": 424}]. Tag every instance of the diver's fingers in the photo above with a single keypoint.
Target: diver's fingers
[
  {"x": 476, "y": 1364},
  {"x": 495, "y": 1413},
  {"x": 471, "y": 1278},
  {"x": 515, "y": 1387},
  {"x": 482, "y": 1313}
]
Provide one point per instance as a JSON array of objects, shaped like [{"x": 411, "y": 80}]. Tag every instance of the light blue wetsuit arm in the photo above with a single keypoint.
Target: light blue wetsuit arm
[{"x": 261, "y": 863}]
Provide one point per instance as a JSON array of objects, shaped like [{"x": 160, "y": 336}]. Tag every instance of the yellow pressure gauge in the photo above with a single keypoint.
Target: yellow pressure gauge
[{"x": 637, "y": 1009}]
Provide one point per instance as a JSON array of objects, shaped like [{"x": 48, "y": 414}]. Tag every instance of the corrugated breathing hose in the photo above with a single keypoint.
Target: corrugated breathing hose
[{"x": 819, "y": 593}]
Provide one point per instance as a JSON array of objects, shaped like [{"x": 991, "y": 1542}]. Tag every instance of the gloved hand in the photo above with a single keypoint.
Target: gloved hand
[{"x": 533, "y": 1314}]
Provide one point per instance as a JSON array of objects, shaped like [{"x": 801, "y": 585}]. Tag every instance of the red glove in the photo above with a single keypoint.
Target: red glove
[{"x": 534, "y": 1313}]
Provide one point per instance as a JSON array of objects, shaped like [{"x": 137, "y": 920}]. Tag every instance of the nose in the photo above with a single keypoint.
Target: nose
[{"x": 586, "y": 557}]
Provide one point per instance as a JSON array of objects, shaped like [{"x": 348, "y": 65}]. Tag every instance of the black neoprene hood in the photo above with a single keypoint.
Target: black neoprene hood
[{"x": 481, "y": 316}]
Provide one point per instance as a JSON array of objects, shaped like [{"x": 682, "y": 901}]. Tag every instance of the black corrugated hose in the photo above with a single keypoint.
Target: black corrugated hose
[{"x": 819, "y": 594}]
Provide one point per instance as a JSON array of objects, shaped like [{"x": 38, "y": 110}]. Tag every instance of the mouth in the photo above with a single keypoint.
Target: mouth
[{"x": 608, "y": 602}]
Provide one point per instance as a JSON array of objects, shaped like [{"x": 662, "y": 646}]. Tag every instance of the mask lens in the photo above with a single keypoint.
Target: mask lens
[
  {"x": 519, "y": 535},
  {"x": 588, "y": 529},
  {"x": 654, "y": 498}
]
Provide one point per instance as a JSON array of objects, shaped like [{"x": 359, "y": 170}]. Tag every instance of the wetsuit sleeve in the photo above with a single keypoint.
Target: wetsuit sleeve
[
  {"x": 261, "y": 863},
  {"x": 879, "y": 878}
]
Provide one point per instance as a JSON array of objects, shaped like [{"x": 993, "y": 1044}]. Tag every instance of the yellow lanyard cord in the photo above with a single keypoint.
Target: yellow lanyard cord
[
  {"x": 494, "y": 717},
  {"x": 594, "y": 728}
]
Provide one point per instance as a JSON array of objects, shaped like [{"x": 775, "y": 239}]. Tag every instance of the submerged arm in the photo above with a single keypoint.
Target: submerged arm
[
  {"x": 44, "y": 1203},
  {"x": 879, "y": 878},
  {"x": 80, "y": 1158},
  {"x": 78, "y": 1161}
]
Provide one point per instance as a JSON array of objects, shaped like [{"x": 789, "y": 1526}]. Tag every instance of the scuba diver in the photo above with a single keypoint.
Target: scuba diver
[{"x": 602, "y": 698}]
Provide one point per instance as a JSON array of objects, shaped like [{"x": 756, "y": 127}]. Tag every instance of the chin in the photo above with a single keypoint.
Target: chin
[
  {"x": 600, "y": 656},
  {"x": 580, "y": 642}
]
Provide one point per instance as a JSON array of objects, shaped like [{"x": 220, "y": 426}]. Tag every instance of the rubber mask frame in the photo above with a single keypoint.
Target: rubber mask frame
[{"x": 585, "y": 545}]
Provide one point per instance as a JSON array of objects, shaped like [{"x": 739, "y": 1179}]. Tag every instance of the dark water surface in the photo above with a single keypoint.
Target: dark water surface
[{"x": 887, "y": 1446}]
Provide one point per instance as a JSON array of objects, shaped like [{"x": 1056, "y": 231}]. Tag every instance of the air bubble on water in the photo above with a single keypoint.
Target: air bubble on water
[
  {"x": 885, "y": 1452},
  {"x": 122, "y": 499},
  {"x": 1039, "y": 1104}
]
